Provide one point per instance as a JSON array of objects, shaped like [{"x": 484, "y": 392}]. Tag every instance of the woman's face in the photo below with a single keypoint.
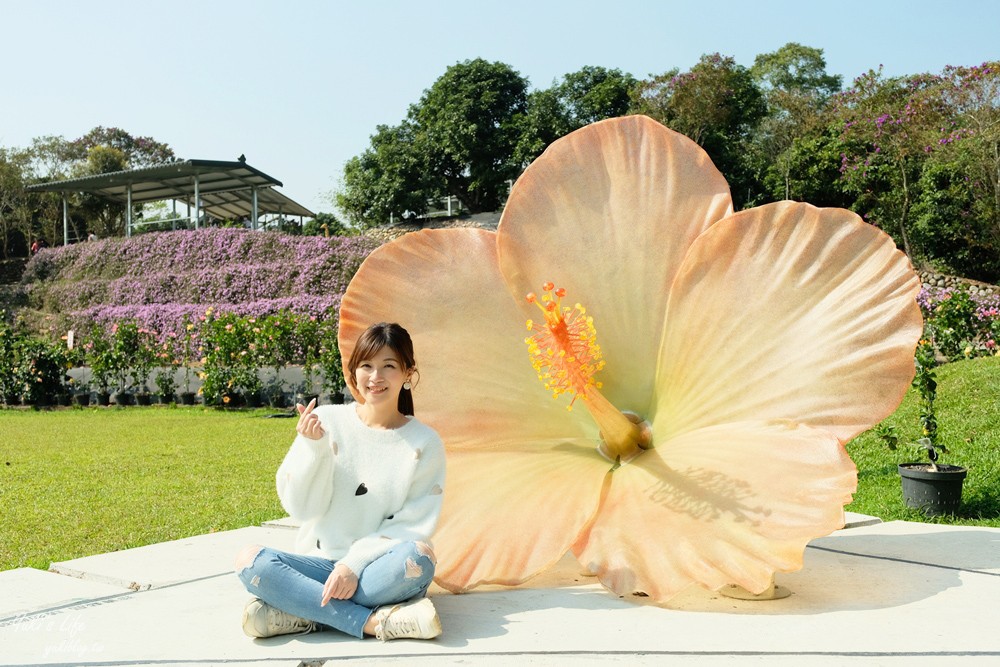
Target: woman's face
[{"x": 381, "y": 377}]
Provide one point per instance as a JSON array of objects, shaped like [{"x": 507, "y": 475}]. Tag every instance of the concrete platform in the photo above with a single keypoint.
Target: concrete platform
[
  {"x": 180, "y": 561},
  {"x": 879, "y": 594}
]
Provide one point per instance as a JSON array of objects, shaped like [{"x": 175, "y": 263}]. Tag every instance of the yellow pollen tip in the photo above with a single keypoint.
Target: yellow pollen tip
[{"x": 563, "y": 350}]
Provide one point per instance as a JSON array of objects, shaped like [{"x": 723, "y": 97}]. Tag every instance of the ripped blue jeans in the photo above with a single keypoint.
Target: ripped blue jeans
[{"x": 294, "y": 584}]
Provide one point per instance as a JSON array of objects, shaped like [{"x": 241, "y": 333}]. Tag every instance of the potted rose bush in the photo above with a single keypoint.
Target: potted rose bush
[{"x": 932, "y": 487}]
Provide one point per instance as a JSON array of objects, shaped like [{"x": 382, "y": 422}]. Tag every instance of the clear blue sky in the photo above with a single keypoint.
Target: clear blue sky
[{"x": 299, "y": 85}]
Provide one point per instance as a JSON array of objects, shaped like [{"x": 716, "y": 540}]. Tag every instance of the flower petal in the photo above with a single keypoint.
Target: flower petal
[
  {"x": 475, "y": 385},
  {"x": 722, "y": 505},
  {"x": 788, "y": 311},
  {"x": 608, "y": 212},
  {"x": 524, "y": 518}
]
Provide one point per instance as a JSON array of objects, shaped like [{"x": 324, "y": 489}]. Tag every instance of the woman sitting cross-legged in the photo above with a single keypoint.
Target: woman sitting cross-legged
[{"x": 365, "y": 480}]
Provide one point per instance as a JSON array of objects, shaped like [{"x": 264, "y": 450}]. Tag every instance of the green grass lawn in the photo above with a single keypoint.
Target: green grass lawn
[{"x": 85, "y": 481}]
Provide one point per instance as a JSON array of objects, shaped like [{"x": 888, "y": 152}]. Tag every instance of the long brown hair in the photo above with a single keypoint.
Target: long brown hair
[{"x": 373, "y": 339}]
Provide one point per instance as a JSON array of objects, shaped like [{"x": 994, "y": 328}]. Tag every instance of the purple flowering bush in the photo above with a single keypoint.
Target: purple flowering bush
[
  {"x": 156, "y": 280},
  {"x": 959, "y": 323},
  {"x": 222, "y": 303}
]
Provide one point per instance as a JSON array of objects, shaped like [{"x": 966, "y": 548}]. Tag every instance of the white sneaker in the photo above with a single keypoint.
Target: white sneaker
[
  {"x": 408, "y": 620},
  {"x": 262, "y": 620}
]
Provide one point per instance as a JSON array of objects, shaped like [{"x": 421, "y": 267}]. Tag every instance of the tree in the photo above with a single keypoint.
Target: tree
[
  {"x": 947, "y": 226},
  {"x": 583, "y": 97},
  {"x": 100, "y": 151},
  {"x": 467, "y": 129},
  {"x": 718, "y": 105},
  {"x": 956, "y": 215},
  {"x": 390, "y": 177},
  {"x": 15, "y": 212},
  {"x": 592, "y": 94},
  {"x": 137, "y": 151},
  {"x": 796, "y": 88},
  {"x": 890, "y": 126},
  {"x": 546, "y": 120},
  {"x": 809, "y": 170},
  {"x": 973, "y": 94},
  {"x": 460, "y": 139},
  {"x": 103, "y": 217},
  {"x": 795, "y": 69}
]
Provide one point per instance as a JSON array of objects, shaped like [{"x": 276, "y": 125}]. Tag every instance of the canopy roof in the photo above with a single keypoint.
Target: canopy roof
[{"x": 226, "y": 189}]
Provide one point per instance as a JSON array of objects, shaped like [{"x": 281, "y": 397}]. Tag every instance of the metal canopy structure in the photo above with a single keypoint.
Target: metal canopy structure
[{"x": 220, "y": 189}]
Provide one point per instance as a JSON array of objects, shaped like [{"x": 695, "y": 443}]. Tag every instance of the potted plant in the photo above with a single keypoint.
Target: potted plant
[
  {"x": 123, "y": 346},
  {"x": 143, "y": 358},
  {"x": 187, "y": 359},
  {"x": 935, "y": 488},
  {"x": 97, "y": 356},
  {"x": 272, "y": 349},
  {"x": 82, "y": 394},
  {"x": 274, "y": 392},
  {"x": 43, "y": 365},
  {"x": 307, "y": 332},
  {"x": 330, "y": 363},
  {"x": 166, "y": 385}
]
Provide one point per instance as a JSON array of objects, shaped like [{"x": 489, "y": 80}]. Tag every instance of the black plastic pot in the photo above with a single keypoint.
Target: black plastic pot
[
  {"x": 144, "y": 399},
  {"x": 934, "y": 492},
  {"x": 103, "y": 398},
  {"x": 82, "y": 399},
  {"x": 187, "y": 398},
  {"x": 305, "y": 398},
  {"x": 122, "y": 399},
  {"x": 165, "y": 399}
]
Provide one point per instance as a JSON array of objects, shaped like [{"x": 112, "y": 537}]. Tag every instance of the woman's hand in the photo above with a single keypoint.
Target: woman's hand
[
  {"x": 309, "y": 425},
  {"x": 340, "y": 585}
]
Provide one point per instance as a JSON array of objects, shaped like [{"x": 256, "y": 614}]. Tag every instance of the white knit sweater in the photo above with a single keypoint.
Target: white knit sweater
[{"x": 358, "y": 490}]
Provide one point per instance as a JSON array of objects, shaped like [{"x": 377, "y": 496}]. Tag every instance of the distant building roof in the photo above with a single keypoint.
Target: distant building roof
[{"x": 224, "y": 188}]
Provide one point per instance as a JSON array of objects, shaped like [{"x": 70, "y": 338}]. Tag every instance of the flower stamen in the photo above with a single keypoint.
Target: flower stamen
[
  {"x": 563, "y": 347},
  {"x": 565, "y": 354}
]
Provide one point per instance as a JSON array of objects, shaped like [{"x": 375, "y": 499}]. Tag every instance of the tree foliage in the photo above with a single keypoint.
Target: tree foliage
[
  {"x": 718, "y": 105},
  {"x": 389, "y": 177},
  {"x": 589, "y": 95},
  {"x": 470, "y": 135},
  {"x": 15, "y": 208},
  {"x": 136, "y": 152},
  {"x": 460, "y": 139},
  {"x": 890, "y": 126},
  {"x": 796, "y": 87},
  {"x": 592, "y": 94},
  {"x": 467, "y": 129},
  {"x": 51, "y": 158}
]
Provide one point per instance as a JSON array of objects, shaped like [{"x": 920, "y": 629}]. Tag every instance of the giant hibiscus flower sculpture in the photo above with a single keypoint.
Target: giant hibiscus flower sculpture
[{"x": 715, "y": 363}]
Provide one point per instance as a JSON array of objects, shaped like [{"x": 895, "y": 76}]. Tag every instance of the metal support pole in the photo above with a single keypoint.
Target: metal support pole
[
  {"x": 173, "y": 218},
  {"x": 197, "y": 203},
  {"x": 253, "y": 216},
  {"x": 65, "y": 221},
  {"x": 128, "y": 213},
  {"x": 449, "y": 206}
]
